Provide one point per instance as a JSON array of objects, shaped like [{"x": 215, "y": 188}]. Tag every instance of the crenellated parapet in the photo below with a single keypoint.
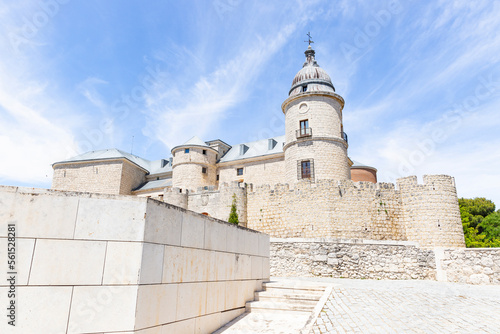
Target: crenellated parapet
[
  {"x": 425, "y": 213},
  {"x": 176, "y": 196},
  {"x": 430, "y": 211}
]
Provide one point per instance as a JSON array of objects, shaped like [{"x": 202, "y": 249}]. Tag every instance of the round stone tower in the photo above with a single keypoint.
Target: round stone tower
[
  {"x": 193, "y": 165},
  {"x": 316, "y": 145}
]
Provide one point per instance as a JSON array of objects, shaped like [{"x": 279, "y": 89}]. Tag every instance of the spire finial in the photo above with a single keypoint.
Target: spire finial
[{"x": 309, "y": 39}]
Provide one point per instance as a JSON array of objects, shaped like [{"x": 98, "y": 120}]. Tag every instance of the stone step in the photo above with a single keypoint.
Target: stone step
[
  {"x": 284, "y": 294},
  {"x": 300, "y": 287},
  {"x": 277, "y": 307},
  {"x": 305, "y": 302}
]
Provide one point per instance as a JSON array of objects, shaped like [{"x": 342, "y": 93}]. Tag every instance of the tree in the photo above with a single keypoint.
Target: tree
[
  {"x": 474, "y": 210},
  {"x": 233, "y": 215},
  {"x": 490, "y": 227},
  {"x": 473, "y": 213}
]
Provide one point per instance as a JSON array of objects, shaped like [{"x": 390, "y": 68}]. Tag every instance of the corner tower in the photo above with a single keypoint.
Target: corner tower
[
  {"x": 193, "y": 165},
  {"x": 316, "y": 145}
]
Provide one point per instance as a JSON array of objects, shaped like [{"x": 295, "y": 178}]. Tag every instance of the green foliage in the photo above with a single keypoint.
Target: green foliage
[
  {"x": 490, "y": 226},
  {"x": 233, "y": 215},
  {"x": 480, "y": 222},
  {"x": 474, "y": 210}
]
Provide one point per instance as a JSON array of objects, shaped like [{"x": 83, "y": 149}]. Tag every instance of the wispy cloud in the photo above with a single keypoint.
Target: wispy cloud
[
  {"x": 179, "y": 107},
  {"x": 35, "y": 128}
]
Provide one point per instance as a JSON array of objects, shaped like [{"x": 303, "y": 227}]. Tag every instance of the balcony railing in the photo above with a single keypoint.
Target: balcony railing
[
  {"x": 344, "y": 136},
  {"x": 303, "y": 132}
]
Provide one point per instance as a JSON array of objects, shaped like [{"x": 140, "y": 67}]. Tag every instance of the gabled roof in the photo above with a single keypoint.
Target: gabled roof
[{"x": 255, "y": 149}]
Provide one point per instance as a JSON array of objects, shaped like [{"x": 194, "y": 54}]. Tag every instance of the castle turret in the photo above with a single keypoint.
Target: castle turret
[
  {"x": 316, "y": 146},
  {"x": 193, "y": 165}
]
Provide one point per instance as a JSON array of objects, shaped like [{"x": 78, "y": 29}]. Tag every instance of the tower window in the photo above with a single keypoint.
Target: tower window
[
  {"x": 305, "y": 169},
  {"x": 239, "y": 171},
  {"x": 304, "y": 88},
  {"x": 204, "y": 170},
  {"x": 205, "y": 152},
  {"x": 186, "y": 150},
  {"x": 217, "y": 178},
  {"x": 304, "y": 130}
]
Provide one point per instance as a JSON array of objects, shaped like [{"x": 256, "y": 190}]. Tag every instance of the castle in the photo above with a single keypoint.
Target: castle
[{"x": 301, "y": 184}]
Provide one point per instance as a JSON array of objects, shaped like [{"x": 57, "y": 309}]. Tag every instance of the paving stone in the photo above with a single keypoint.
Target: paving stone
[{"x": 371, "y": 306}]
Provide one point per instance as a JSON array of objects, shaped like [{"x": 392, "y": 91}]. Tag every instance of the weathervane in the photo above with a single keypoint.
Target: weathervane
[{"x": 310, "y": 40}]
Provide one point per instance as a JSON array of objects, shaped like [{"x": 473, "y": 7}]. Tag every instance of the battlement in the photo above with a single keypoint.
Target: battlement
[
  {"x": 429, "y": 180},
  {"x": 425, "y": 213}
]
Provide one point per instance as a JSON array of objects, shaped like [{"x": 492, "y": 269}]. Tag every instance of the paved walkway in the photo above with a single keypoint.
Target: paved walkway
[
  {"x": 371, "y": 306},
  {"x": 367, "y": 306}
]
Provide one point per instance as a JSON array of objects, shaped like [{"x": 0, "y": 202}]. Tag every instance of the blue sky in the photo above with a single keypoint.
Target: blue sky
[{"x": 421, "y": 80}]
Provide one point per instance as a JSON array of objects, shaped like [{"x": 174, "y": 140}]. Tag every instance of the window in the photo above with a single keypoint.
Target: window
[
  {"x": 186, "y": 150},
  {"x": 217, "y": 177},
  {"x": 305, "y": 169},
  {"x": 304, "y": 88},
  {"x": 204, "y": 170},
  {"x": 304, "y": 130},
  {"x": 239, "y": 171},
  {"x": 205, "y": 152},
  {"x": 304, "y": 124}
]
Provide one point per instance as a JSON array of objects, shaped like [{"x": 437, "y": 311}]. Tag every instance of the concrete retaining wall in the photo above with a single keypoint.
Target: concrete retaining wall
[{"x": 90, "y": 263}]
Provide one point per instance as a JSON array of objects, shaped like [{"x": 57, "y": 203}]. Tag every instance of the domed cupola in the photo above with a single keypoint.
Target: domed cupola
[{"x": 311, "y": 78}]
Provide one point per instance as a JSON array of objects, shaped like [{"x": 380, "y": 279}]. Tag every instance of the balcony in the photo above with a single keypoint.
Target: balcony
[{"x": 303, "y": 132}]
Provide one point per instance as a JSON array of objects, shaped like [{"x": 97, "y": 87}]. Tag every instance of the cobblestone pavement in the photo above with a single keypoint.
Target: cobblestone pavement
[{"x": 370, "y": 306}]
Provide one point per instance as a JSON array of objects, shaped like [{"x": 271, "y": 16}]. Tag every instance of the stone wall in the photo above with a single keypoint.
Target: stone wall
[
  {"x": 327, "y": 208},
  {"x": 266, "y": 171},
  {"x": 187, "y": 167},
  {"x": 97, "y": 177},
  {"x": 93, "y": 263},
  {"x": 427, "y": 213},
  {"x": 217, "y": 203},
  {"x": 430, "y": 211},
  {"x": 351, "y": 259},
  {"x": 131, "y": 178},
  {"x": 326, "y": 146},
  {"x": 371, "y": 259},
  {"x": 471, "y": 266},
  {"x": 176, "y": 196}
]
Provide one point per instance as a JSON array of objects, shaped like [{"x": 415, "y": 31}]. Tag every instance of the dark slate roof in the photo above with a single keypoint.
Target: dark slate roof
[{"x": 255, "y": 149}]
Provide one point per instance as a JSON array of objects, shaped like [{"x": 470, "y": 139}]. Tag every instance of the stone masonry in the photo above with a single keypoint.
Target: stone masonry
[
  {"x": 372, "y": 259},
  {"x": 351, "y": 259},
  {"x": 427, "y": 214},
  {"x": 116, "y": 177}
]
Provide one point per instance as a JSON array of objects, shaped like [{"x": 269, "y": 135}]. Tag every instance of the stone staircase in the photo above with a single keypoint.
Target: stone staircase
[
  {"x": 280, "y": 297},
  {"x": 285, "y": 306}
]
